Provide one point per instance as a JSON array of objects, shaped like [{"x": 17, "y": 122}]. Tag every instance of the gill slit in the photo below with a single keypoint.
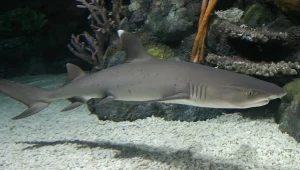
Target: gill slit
[{"x": 198, "y": 91}]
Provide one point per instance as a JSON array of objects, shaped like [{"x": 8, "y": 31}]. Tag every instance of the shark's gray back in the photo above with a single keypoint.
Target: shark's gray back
[
  {"x": 167, "y": 72},
  {"x": 143, "y": 75}
]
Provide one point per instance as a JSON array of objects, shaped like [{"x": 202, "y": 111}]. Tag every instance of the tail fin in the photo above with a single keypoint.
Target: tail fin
[{"x": 33, "y": 97}]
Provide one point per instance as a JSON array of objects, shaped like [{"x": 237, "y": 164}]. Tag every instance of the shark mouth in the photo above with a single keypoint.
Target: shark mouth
[
  {"x": 263, "y": 101},
  {"x": 256, "y": 103}
]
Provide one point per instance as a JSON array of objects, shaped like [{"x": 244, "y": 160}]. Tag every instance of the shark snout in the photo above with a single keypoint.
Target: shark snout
[
  {"x": 264, "y": 100},
  {"x": 275, "y": 96}
]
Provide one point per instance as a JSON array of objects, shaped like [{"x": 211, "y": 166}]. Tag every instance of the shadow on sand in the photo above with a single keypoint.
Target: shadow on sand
[{"x": 177, "y": 158}]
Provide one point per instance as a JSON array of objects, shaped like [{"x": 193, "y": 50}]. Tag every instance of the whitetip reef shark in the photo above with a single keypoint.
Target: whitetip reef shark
[{"x": 146, "y": 79}]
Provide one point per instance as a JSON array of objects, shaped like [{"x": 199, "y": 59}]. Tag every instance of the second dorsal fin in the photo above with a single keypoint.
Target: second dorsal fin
[{"x": 135, "y": 50}]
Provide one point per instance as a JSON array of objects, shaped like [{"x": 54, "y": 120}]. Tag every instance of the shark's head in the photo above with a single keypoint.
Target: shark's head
[
  {"x": 239, "y": 97},
  {"x": 241, "y": 92}
]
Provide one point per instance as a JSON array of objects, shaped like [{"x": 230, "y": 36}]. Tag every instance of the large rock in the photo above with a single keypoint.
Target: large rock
[
  {"x": 288, "y": 115},
  {"x": 165, "y": 18},
  {"x": 289, "y": 120},
  {"x": 289, "y": 7},
  {"x": 257, "y": 15},
  {"x": 140, "y": 10},
  {"x": 127, "y": 111}
]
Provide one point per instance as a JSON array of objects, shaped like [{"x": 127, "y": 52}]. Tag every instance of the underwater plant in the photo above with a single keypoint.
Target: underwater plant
[
  {"x": 104, "y": 23},
  {"x": 21, "y": 20}
]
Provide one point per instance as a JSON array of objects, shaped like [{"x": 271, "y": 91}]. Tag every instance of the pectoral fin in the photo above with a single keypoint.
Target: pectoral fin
[
  {"x": 107, "y": 99},
  {"x": 76, "y": 102},
  {"x": 176, "y": 96},
  {"x": 72, "y": 106}
]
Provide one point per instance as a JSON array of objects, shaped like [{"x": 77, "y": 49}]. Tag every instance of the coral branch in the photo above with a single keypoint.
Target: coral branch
[
  {"x": 240, "y": 65},
  {"x": 92, "y": 9},
  {"x": 249, "y": 34},
  {"x": 80, "y": 50},
  {"x": 115, "y": 12},
  {"x": 93, "y": 48},
  {"x": 198, "y": 48}
]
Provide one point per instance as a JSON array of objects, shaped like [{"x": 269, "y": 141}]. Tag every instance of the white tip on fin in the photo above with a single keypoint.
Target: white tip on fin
[
  {"x": 120, "y": 32},
  {"x": 134, "y": 48}
]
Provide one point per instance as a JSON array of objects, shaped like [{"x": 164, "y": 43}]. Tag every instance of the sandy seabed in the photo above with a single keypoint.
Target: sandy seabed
[{"x": 78, "y": 140}]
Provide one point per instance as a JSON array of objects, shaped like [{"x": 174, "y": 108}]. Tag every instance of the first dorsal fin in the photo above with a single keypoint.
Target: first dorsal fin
[
  {"x": 74, "y": 72},
  {"x": 135, "y": 50}
]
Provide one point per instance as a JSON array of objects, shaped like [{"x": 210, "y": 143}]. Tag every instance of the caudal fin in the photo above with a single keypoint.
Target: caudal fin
[{"x": 33, "y": 97}]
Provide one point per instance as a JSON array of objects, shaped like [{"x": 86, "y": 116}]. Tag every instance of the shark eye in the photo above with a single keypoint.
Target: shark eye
[{"x": 250, "y": 93}]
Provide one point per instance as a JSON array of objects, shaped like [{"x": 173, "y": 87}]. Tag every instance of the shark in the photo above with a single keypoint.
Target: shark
[{"x": 143, "y": 78}]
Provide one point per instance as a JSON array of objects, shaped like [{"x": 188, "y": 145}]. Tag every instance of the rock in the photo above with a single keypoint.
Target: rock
[
  {"x": 293, "y": 91},
  {"x": 175, "y": 23},
  {"x": 161, "y": 52},
  {"x": 127, "y": 111},
  {"x": 139, "y": 10},
  {"x": 116, "y": 59},
  {"x": 288, "y": 115},
  {"x": 289, "y": 119},
  {"x": 265, "y": 69},
  {"x": 231, "y": 15},
  {"x": 188, "y": 113},
  {"x": 257, "y": 15},
  {"x": 281, "y": 23},
  {"x": 124, "y": 24},
  {"x": 291, "y": 7},
  {"x": 226, "y": 38},
  {"x": 164, "y": 18},
  {"x": 130, "y": 111},
  {"x": 184, "y": 50},
  {"x": 121, "y": 111},
  {"x": 217, "y": 40},
  {"x": 293, "y": 39}
]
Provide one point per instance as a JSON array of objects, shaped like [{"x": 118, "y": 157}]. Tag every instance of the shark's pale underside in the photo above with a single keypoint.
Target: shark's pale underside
[{"x": 146, "y": 79}]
